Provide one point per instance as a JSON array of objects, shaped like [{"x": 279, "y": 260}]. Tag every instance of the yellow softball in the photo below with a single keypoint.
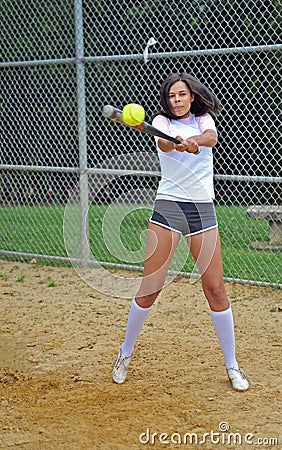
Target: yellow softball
[{"x": 133, "y": 114}]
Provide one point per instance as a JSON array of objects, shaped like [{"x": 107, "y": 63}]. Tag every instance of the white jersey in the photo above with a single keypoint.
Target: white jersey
[{"x": 185, "y": 176}]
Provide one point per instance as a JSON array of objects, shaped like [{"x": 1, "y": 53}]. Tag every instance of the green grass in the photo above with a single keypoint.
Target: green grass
[
  {"x": 48, "y": 230},
  {"x": 33, "y": 229}
]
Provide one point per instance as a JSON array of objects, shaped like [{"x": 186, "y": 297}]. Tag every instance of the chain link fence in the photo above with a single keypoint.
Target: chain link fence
[{"x": 75, "y": 186}]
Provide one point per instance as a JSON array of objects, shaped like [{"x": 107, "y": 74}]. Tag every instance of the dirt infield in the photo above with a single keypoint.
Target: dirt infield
[{"x": 58, "y": 340}]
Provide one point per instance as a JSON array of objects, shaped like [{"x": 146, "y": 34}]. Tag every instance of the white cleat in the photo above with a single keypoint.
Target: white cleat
[
  {"x": 238, "y": 379},
  {"x": 120, "y": 368}
]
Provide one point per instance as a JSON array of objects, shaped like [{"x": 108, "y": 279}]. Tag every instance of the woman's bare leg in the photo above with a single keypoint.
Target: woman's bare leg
[
  {"x": 161, "y": 244},
  {"x": 206, "y": 251}
]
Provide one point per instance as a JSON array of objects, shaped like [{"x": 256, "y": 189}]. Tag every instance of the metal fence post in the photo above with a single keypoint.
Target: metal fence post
[{"x": 82, "y": 132}]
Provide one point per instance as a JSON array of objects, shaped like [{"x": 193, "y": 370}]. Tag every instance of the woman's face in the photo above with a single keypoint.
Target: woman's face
[{"x": 180, "y": 99}]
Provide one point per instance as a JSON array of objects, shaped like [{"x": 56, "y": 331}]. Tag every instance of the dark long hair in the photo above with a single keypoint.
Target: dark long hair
[{"x": 204, "y": 101}]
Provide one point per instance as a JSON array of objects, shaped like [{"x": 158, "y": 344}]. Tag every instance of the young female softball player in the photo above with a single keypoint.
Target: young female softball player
[{"x": 184, "y": 205}]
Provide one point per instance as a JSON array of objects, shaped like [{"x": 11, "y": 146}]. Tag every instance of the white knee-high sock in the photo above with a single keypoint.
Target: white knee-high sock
[
  {"x": 136, "y": 318},
  {"x": 224, "y": 327}
]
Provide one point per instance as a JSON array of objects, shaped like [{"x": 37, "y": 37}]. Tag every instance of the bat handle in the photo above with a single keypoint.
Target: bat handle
[{"x": 174, "y": 140}]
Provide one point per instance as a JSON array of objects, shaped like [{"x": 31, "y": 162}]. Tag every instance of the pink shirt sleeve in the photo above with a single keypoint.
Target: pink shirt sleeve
[
  {"x": 205, "y": 122},
  {"x": 161, "y": 123}
]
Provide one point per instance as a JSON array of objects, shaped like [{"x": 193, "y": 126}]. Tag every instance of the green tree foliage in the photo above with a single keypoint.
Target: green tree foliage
[{"x": 32, "y": 30}]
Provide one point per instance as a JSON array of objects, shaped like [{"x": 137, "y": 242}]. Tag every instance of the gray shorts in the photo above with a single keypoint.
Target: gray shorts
[{"x": 186, "y": 218}]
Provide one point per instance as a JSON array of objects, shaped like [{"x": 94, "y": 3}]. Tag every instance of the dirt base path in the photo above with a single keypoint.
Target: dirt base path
[{"x": 58, "y": 340}]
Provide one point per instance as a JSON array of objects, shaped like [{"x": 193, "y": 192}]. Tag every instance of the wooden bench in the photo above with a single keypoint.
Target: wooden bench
[{"x": 273, "y": 214}]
